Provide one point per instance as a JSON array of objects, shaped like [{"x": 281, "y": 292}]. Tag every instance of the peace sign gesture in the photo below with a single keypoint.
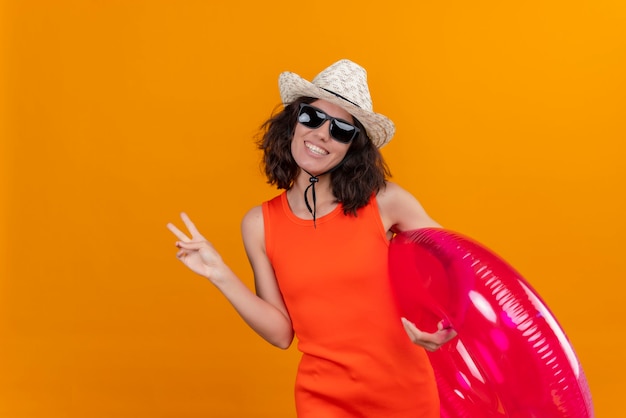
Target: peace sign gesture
[{"x": 196, "y": 252}]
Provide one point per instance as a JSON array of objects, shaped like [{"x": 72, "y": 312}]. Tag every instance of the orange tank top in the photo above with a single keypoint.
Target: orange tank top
[{"x": 357, "y": 360}]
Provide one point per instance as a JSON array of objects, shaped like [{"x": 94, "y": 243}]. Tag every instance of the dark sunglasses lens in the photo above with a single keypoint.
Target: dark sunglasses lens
[
  {"x": 342, "y": 131},
  {"x": 314, "y": 118},
  {"x": 310, "y": 117}
]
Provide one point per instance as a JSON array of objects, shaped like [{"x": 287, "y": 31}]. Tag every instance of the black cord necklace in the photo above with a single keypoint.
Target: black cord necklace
[{"x": 312, "y": 181}]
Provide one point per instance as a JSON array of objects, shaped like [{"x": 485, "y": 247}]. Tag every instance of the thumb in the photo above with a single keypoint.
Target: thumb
[
  {"x": 444, "y": 324},
  {"x": 190, "y": 245}
]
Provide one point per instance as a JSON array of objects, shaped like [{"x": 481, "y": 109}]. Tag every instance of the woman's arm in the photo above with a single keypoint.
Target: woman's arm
[
  {"x": 400, "y": 211},
  {"x": 264, "y": 313},
  {"x": 279, "y": 328}
]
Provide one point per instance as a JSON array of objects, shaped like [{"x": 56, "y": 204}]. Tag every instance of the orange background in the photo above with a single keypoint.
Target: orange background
[{"x": 117, "y": 115}]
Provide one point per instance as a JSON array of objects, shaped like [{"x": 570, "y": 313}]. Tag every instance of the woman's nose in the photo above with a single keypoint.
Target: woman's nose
[{"x": 323, "y": 131}]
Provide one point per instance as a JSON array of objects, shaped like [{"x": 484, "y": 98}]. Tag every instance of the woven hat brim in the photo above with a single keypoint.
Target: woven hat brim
[{"x": 379, "y": 127}]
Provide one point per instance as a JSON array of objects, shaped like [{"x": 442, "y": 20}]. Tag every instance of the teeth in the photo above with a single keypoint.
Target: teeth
[{"x": 316, "y": 150}]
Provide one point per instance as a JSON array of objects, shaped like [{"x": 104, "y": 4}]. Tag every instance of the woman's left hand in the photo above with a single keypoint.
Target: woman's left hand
[{"x": 430, "y": 341}]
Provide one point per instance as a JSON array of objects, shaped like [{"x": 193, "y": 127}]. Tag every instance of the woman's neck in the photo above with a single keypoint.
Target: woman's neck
[{"x": 325, "y": 201}]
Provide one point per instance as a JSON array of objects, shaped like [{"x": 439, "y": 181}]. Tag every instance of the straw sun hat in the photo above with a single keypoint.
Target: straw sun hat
[{"x": 344, "y": 83}]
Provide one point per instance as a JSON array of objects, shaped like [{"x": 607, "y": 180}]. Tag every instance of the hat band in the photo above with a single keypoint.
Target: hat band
[{"x": 341, "y": 97}]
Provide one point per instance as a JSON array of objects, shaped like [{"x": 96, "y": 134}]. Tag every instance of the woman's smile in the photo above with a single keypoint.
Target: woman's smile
[{"x": 315, "y": 149}]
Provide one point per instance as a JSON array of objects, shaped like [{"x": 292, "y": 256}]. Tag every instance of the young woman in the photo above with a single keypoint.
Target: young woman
[{"x": 319, "y": 253}]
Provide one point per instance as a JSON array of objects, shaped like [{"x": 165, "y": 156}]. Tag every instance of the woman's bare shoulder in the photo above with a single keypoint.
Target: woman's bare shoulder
[{"x": 400, "y": 210}]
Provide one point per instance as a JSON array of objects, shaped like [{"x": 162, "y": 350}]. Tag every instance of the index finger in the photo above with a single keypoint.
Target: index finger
[{"x": 191, "y": 227}]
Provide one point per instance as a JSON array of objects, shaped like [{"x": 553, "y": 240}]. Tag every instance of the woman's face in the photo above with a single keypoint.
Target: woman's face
[{"x": 313, "y": 148}]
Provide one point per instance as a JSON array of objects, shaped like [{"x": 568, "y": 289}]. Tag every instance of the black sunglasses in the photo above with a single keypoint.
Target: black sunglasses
[{"x": 340, "y": 130}]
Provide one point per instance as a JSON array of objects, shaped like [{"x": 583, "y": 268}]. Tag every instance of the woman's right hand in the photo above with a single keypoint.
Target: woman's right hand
[
  {"x": 265, "y": 313},
  {"x": 196, "y": 252}
]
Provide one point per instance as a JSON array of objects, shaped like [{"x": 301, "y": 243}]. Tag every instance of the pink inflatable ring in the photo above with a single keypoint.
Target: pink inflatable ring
[{"x": 510, "y": 357}]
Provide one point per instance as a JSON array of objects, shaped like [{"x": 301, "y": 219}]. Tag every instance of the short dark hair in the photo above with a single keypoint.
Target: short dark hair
[{"x": 362, "y": 173}]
